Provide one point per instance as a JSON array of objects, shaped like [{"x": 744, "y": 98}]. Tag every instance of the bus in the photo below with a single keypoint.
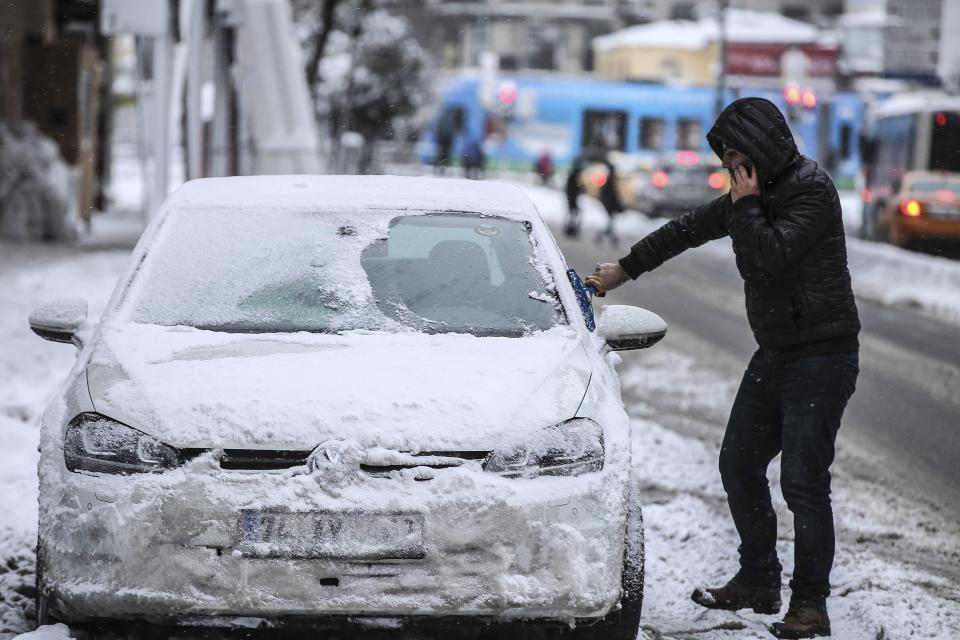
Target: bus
[
  {"x": 525, "y": 115},
  {"x": 911, "y": 154}
]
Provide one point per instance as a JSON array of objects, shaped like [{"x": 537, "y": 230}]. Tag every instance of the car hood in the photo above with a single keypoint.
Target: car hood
[{"x": 410, "y": 392}]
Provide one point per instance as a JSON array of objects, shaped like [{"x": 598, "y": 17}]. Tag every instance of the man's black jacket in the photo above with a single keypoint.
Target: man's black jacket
[{"x": 788, "y": 241}]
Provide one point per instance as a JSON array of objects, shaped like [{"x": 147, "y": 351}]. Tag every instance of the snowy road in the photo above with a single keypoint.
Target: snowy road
[{"x": 897, "y": 559}]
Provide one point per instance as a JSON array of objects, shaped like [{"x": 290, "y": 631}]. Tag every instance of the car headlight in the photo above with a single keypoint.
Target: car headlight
[
  {"x": 570, "y": 448},
  {"x": 96, "y": 443}
]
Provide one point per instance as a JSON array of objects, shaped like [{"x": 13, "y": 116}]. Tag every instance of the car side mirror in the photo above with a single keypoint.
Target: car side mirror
[
  {"x": 625, "y": 327},
  {"x": 60, "y": 321}
]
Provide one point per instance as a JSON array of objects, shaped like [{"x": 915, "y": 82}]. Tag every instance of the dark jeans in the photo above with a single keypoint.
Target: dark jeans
[{"x": 794, "y": 407}]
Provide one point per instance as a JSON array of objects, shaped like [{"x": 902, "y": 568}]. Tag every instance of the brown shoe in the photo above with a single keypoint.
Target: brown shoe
[
  {"x": 733, "y": 596},
  {"x": 802, "y": 622}
]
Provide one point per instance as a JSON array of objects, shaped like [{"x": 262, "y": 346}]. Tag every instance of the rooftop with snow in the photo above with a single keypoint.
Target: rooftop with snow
[{"x": 742, "y": 25}]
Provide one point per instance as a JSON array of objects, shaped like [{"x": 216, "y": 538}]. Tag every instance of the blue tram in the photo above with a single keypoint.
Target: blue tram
[{"x": 523, "y": 116}]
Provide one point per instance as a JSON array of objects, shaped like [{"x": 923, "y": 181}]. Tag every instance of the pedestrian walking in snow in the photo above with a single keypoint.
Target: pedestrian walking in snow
[
  {"x": 573, "y": 188},
  {"x": 610, "y": 199},
  {"x": 784, "y": 219},
  {"x": 543, "y": 167},
  {"x": 473, "y": 159}
]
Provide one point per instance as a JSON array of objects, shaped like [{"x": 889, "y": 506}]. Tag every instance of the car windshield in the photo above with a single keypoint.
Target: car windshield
[
  {"x": 950, "y": 189},
  {"x": 289, "y": 271}
]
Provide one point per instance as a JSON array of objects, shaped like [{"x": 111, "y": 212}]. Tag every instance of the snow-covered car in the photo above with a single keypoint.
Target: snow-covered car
[{"x": 319, "y": 399}]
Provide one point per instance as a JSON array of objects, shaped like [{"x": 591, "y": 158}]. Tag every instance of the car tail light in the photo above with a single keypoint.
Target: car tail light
[
  {"x": 598, "y": 179},
  {"x": 717, "y": 180},
  {"x": 946, "y": 195},
  {"x": 659, "y": 179},
  {"x": 866, "y": 195},
  {"x": 911, "y": 208},
  {"x": 687, "y": 158}
]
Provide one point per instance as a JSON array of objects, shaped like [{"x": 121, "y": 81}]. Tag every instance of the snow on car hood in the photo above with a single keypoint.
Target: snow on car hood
[{"x": 411, "y": 392}]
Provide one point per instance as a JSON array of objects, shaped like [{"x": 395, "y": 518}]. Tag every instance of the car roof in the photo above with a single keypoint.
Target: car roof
[{"x": 358, "y": 193}]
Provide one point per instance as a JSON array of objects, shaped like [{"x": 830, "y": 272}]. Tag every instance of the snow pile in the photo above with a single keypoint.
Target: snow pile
[
  {"x": 899, "y": 278},
  {"x": 36, "y": 187},
  {"x": 48, "y": 632}
]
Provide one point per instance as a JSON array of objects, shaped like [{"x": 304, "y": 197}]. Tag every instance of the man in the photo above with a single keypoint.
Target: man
[
  {"x": 610, "y": 199},
  {"x": 573, "y": 188},
  {"x": 784, "y": 219}
]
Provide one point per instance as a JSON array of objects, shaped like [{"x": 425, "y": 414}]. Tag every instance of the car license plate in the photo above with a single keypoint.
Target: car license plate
[{"x": 330, "y": 534}]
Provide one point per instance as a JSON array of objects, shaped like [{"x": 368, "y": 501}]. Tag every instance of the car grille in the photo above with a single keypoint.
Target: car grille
[
  {"x": 254, "y": 459},
  {"x": 377, "y": 462},
  {"x": 382, "y": 464}
]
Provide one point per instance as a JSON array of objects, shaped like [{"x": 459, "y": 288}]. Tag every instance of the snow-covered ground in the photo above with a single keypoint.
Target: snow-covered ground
[{"x": 690, "y": 538}]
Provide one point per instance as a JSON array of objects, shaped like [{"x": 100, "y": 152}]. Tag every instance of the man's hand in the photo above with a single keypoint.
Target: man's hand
[
  {"x": 743, "y": 184},
  {"x": 606, "y": 277}
]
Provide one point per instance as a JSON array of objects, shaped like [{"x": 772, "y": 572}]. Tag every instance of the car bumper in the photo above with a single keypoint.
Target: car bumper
[
  {"x": 929, "y": 228},
  {"x": 167, "y": 547}
]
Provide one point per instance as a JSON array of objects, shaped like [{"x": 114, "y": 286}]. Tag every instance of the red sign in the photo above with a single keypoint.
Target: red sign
[{"x": 751, "y": 59}]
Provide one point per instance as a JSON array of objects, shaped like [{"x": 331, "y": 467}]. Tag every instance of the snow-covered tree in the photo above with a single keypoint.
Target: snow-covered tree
[{"x": 370, "y": 75}]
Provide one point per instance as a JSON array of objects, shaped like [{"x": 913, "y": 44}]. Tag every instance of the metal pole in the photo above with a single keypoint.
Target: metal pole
[
  {"x": 722, "y": 63},
  {"x": 196, "y": 30}
]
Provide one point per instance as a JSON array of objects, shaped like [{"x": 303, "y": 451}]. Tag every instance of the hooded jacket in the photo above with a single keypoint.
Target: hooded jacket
[{"x": 788, "y": 241}]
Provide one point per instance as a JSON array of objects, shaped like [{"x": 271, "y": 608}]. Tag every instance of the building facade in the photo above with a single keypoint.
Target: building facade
[
  {"x": 760, "y": 51},
  {"x": 808, "y": 10},
  {"x": 524, "y": 35},
  {"x": 899, "y": 39}
]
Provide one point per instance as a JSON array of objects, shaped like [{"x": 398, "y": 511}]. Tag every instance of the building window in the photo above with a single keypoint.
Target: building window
[
  {"x": 682, "y": 11},
  {"x": 689, "y": 134},
  {"x": 651, "y": 133},
  {"x": 796, "y": 12},
  {"x": 603, "y": 130}
]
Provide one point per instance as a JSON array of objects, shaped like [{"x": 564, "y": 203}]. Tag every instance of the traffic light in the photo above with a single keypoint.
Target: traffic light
[
  {"x": 792, "y": 95},
  {"x": 796, "y": 97},
  {"x": 507, "y": 99},
  {"x": 799, "y": 101}
]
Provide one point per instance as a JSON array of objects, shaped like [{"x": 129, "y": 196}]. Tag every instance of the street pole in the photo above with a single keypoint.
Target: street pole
[{"x": 722, "y": 63}]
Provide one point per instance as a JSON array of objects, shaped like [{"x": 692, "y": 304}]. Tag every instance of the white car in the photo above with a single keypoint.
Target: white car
[{"x": 314, "y": 400}]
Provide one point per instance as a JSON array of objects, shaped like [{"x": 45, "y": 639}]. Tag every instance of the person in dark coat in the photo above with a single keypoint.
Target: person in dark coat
[
  {"x": 473, "y": 158},
  {"x": 784, "y": 219},
  {"x": 573, "y": 188},
  {"x": 610, "y": 199}
]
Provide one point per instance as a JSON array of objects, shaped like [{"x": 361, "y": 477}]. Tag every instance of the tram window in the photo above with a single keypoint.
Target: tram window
[
  {"x": 651, "y": 133},
  {"x": 689, "y": 134},
  {"x": 604, "y": 129},
  {"x": 846, "y": 138},
  {"x": 945, "y": 142}
]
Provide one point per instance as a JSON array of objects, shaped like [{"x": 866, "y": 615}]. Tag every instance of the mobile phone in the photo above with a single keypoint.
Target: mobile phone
[{"x": 749, "y": 169}]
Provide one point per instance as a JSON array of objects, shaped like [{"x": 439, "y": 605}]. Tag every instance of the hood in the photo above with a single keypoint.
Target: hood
[
  {"x": 755, "y": 127},
  {"x": 410, "y": 392}
]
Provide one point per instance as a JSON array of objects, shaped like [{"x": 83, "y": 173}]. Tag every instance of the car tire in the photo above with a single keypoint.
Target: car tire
[
  {"x": 623, "y": 623},
  {"x": 41, "y": 599}
]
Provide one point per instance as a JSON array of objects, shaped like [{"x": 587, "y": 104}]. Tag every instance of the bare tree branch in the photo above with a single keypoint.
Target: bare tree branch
[{"x": 325, "y": 26}]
